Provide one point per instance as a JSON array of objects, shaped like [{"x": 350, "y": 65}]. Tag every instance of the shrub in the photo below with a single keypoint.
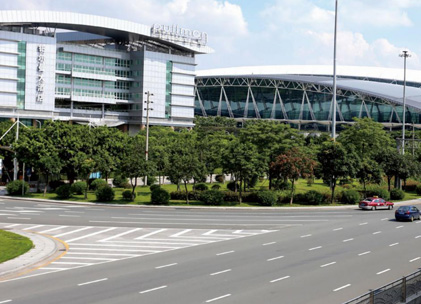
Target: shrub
[
  {"x": 79, "y": 187},
  {"x": 310, "y": 181},
  {"x": 283, "y": 197},
  {"x": 411, "y": 185},
  {"x": 267, "y": 198},
  {"x": 216, "y": 187},
  {"x": 232, "y": 185},
  {"x": 178, "y": 195},
  {"x": 396, "y": 194},
  {"x": 128, "y": 195},
  {"x": 212, "y": 197},
  {"x": 230, "y": 196},
  {"x": 279, "y": 184},
  {"x": 220, "y": 178},
  {"x": 313, "y": 197},
  {"x": 250, "y": 197},
  {"x": 64, "y": 191},
  {"x": 151, "y": 180},
  {"x": 98, "y": 182},
  {"x": 55, "y": 184},
  {"x": 105, "y": 194},
  {"x": 15, "y": 187},
  {"x": 160, "y": 197},
  {"x": 154, "y": 186},
  {"x": 252, "y": 182},
  {"x": 418, "y": 189},
  {"x": 200, "y": 187},
  {"x": 378, "y": 191},
  {"x": 350, "y": 197},
  {"x": 120, "y": 181}
]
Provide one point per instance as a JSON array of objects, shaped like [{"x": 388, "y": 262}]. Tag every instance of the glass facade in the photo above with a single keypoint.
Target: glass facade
[
  {"x": 21, "y": 75},
  {"x": 168, "y": 89},
  {"x": 298, "y": 103}
]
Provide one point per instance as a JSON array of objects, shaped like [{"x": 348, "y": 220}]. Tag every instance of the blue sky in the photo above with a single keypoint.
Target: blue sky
[{"x": 274, "y": 32}]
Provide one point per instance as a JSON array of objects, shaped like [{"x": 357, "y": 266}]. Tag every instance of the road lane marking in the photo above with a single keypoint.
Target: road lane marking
[
  {"x": 92, "y": 282},
  {"x": 413, "y": 260},
  {"x": 280, "y": 279},
  {"x": 348, "y": 240},
  {"x": 87, "y": 258},
  {"x": 68, "y": 215},
  {"x": 92, "y": 234},
  {"x": 124, "y": 250},
  {"x": 342, "y": 287},
  {"x": 362, "y": 224},
  {"x": 19, "y": 218},
  {"x": 385, "y": 219},
  {"x": 337, "y": 229},
  {"x": 153, "y": 289},
  {"x": 226, "y": 252},
  {"x": 305, "y": 236},
  {"x": 75, "y": 211},
  {"x": 13, "y": 225},
  {"x": 219, "y": 272},
  {"x": 121, "y": 234},
  {"x": 54, "y": 229},
  {"x": 394, "y": 244},
  {"x": 383, "y": 271},
  {"x": 277, "y": 258},
  {"x": 418, "y": 236},
  {"x": 315, "y": 248},
  {"x": 271, "y": 243},
  {"x": 180, "y": 233},
  {"x": 325, "y": 265},
  {"x": 377, "y": 232},
  {"x": 7, "y": 301},
  {"x": 71, "y": 232},
  {"x": 209, "y": 232},
  {"x": 164, "y": 266},
  {"x": 71, "y": 263},
  {"x": 106, "y": 254},
  {"x": 364, "y": 253},
  {"x": 218, "y": 298},
  {"x": 33, "y": 227},
  {"x": 399, "y": 227},
  {"x": 149, "y": 234}
]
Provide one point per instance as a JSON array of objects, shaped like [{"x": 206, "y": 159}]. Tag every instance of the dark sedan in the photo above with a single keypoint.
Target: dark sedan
[{"x": 407, "y": 213}]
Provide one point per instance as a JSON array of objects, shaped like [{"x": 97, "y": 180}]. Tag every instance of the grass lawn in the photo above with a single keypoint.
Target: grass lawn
[
  {"x": 13, "y": 245},
  {"x": 143, "y": 193}
]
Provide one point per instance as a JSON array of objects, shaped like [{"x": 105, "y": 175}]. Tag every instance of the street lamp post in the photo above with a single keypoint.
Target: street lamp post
[
  {"x": 404, "y": 54},
  {"x": 147, "y": 109},
  {"x": 334, "y": 74}
]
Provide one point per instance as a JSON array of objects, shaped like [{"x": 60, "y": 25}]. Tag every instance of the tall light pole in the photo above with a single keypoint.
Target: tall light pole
[
  {"x": 147, "y": 109},
  {"x": 334, "y": 74},
  {"x": 404, "y": 54}
]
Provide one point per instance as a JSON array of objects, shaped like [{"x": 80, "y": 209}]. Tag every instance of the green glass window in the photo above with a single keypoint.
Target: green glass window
[
  {"x": 21, "y": 75},
  {"x": 64, "y": 56},
  {"x": 168, "y": 89}
]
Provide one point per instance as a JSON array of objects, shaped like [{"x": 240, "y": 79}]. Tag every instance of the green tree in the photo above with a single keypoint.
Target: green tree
[
  {"x": 242, "y": 161},
  {"x": 292, "y": 165},
  {"x": 336, "y": 163},
  {"x": 390, "y": 161},
  {"x": 369, "y": 171}
]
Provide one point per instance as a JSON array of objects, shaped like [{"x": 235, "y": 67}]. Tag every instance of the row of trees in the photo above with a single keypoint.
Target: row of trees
[{"x": 261, "y": 148}]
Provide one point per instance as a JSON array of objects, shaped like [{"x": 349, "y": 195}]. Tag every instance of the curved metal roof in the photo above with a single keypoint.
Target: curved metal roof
[
  {"x": 104, "y": 26},
  {"x": 384, "y": 88}
]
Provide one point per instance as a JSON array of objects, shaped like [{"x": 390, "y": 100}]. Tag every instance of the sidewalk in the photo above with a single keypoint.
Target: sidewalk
[{"x": 46, "y": 250}]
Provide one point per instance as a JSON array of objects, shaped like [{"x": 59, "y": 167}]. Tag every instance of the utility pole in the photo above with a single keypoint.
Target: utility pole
[
  {"x": 147, "y": 109},
  {"x": 404, "y": 54},
  {"x": 334, "y": 75}
]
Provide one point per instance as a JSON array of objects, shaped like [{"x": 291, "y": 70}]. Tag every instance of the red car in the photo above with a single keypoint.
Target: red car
[{"x": 373, "y": 203}]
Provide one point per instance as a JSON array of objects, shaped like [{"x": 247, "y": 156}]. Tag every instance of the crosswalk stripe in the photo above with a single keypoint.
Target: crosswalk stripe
[
  {"x": 119, "y": 235},
  {"x": 149, "y": 234},
  {"x": 92, "y": 234},
  {"x": 71, "y": 232}
]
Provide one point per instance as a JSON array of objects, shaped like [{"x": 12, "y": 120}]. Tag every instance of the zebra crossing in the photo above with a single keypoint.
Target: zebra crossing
[{"x": 91, "y": 245}]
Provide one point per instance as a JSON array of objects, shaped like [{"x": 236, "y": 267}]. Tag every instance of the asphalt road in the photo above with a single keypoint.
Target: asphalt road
[{"x": 139, "y": 255}]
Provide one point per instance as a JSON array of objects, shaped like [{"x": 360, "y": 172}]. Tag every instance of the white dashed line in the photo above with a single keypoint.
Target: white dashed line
[
  {"x": 226, "y": 252},
  {"x": 218, "y": 298},
  {"x": 89, "y": 235},
  {"x": 280, "y": 279},
  {"x": 13, "y": 225},
  {"x": 399, "y": 227},
  {"x": 377, "y": 232},
  {"x": 325, "y": 265},
  {"x": 277, "y": 258},
  {"x": 53, "y": 229},
  {"x": 91, "y": 282},
  {"x": 305, "y": 236},
  {"x": 181, "y": 233},
  {"x": 337, "y": 229},
  {"x": 121, "y": 234},
  {"x": 149, "y": 234},
  {"x": 271, "y": 243},
  {"x": 418, "y": 236},
  {"x": 362, "y": 224},
  {"x": 394, "y": 244},
  {"x": 413, "y": 260},
  {"x": 348, "y": 240},
  {"x": 364, "y": 253},
  {"x": 315, "y": 248},
  {"x": 71, "y": 232},
  {"x": 345, "y": 286},
  {"x": 383, "y": 271},
  {"x": 33, "y": 227},
  {"x": 19, "y": 218},
  {"x": 7, "y": 301},
  {"x": 68, "y": 215},
  {"x": 219, "y": 272},
  {"x": 164, "y": 266},
  {"x": 153, "y": 289},
  {"x": 385, "y": 219}
]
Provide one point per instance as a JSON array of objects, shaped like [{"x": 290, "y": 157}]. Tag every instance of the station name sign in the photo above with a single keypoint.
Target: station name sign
[{"x": 178, "y": 34}]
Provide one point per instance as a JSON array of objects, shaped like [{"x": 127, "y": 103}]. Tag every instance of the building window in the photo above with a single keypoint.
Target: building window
[{"x": 21, "y": 75}]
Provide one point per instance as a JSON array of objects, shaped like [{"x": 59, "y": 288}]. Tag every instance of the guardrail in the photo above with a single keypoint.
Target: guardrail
[{"x": 399, "y": 291}]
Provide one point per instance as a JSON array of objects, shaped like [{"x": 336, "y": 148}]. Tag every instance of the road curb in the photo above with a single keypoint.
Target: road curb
[
  {"x": 414, "y": 201},
  {"x": 46, "y": 250}
]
